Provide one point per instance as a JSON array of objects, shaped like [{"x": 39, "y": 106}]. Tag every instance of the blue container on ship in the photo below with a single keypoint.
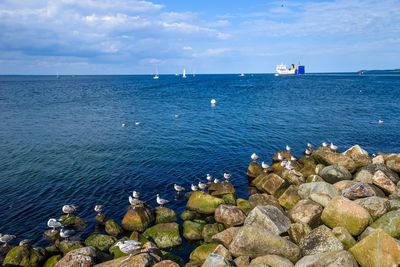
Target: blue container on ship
[{"x": 301, "y": 70}]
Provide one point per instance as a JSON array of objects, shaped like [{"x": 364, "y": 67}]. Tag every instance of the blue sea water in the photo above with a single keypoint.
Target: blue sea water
[{"x": 61, "y": 140}]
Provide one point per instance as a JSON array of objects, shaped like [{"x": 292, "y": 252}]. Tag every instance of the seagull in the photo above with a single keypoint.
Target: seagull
[
  {"x": 134, "y": 201},
  {"x": 123, "y": 125},
  {"x": 6, "y": 238},
  {"x": 309, "y": 146},
  {"x": 194, "y": 187},
  {"x": 216, "y": 181},
  {"x": 136, "y": 194},
  {"x": 137, "y": 123},
  {"x": 25, "y": 242},
  {"x": 209, "y": 178},
  {"x": 176, "y": 116},
  {"x": 178, "y": 188},
  {"x": 66, "y": 233},
  {"x": 69, "y": 209},
  {"x": 280, "y": 157},
  {"x": 213, "y": 101},
  {"x": 380, "y": 121},
  {"x": 254, "y": 157},
  {"x": 288, "y": 165},
  {"x": 227, "y": 176},
  {"x": 202, "y": 186},
  {"x": 53, "y": 223},
  {"x": 128, "y": 247},
  {"x": 161, "y": 201},
  {"x": 324, "y": 144},
  {"x": 98, "y": 209},
  {"x": 333, "y": 147},
  {"x": 288, "y": 148},
  {"x": 264, "y": 166},
  {"x": 293, "y": 158},
  {"x": 307, "y": 152}
]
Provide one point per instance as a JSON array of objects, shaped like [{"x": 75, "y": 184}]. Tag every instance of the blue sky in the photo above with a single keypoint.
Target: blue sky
[{"x": 220, "y": 36}]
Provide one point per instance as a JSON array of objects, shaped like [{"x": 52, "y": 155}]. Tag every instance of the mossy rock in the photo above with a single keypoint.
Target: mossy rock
[
  {"x": 211, "y": 229},
  {"x": 229, "y": 199},
  {"x": 390, "y": 223},
  {"x": 138, "y": 218},
  {"x": 165, "y": 235},
  {"x": 188, "y": 215},
  {"x": 203, "y": 203},
  {"x": 73, "y": 221},
  {"x": 254, "y": 170},
  {"x": 100, "y": 241},
  {"x": 52, "y": 250},
  {"x": 66, "y": 246},
  {"x": 50, "y": 262},
  {"x": 24, "y": 256},
  {"x": 308, "y": 166},
  {"x": 244, "y": 205},
  {"x": 112, "y": 228},
  {"x": 289, "y": 198},
  {"x": 193, "y": 230},
  {"x": 201, "y": 253},
  {"x": 165, "y": 215},
  {"x": 220, "y": 189},
  {"x": 172, "y": 257},
  {"x": 134, "y": 236}
]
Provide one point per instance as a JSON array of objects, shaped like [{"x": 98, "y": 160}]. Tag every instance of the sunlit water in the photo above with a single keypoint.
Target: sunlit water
[{"x": 61, "y": 140}]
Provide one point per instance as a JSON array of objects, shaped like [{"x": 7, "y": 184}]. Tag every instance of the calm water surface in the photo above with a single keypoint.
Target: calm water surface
[{"x": 61, "y": 141}]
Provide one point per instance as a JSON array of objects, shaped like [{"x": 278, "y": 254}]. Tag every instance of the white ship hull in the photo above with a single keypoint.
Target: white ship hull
[{"x": 281, "y": 69}]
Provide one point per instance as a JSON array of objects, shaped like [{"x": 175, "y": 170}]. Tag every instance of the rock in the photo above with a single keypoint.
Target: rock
[
  {"x": 271, "y": 260},
  {"x": 394, "y": 204},
  {"x": 348, "y": 214},
  {"x": 309, "y": 165},
  {"x": 306, "y": 211},
  {"x": 377, "y": 250},
  {"x": 193, "y": 230},
  {"x": 209, "y": 230},
  {"x": 100, "y": 241},
  {"x": 66, "y": 246},
  {"x": 223, "y": 251},
  {"x": 369, "y": 230},
  {"x": 314, "y": 178},
  {"x": 216, "y": 260},
  {"x": 270, "y": 183},
  {"x": 379, "y": 159},
  {"x": 284, "y": 154},
  {"x": 166, "y": 263},
  {"x": 383, "y": 182},
  {"x": 390, "y": 223},
  {"x": 358, "y": 190},
  {"x": 330, "y": 158},
  {"x": 50, "y": 262},
  {"x": 244, "y": 205},
  {"x": 365, "y": 173},
  {"x": 289, "y": 198},
  {"x": 139, "y": 260},
  {"x": 293, "y": 177},
  {"x": 305, "y": 190},
  {"x": 165, "y": 235},
  {"x": 188, "y": 215},
  {"x": 201, "y": 253},
  {"x": 343, "y": 185},
  {"x": 225, "y": 237},
  {"x": 264, "y": 199},
  {"x": 319, "y": 240},
  {"x": 229, "y": 199},
  {"x": 339, "y": 258},
  {"x": 81, "y": 257},
  {"x": 100, "y": 218},
  {"x": 73, "y": 221},
  {"x": 24, "y": 256},
  {"x": 320, "y": 198},
  {"x": 376, "y": 206},
  {"x": 393, "y": 162},
  {"x": 319, "y": 168},
  {"x": 335, "y": 173},
  {"x": 203, "y": 203},
  {"x": 165, "y": 215},
  {"x": 297, "y": 231},
  {"x": 344, "y": 236},
  {"x": 242, "y": 261},
  {"x": 268, "y": 217},
  {"x": 112, "y": 228},
  {"x": 51, "y": 235},
  {"x": 254, "y": 241},
  {"x": 359, "y": 155},
  {"x": 220, "y": 189},
  {"x": 254, "y": 170},
  {"x": 138, "y": 218}
]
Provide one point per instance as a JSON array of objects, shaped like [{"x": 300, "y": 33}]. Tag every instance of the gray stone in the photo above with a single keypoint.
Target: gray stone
[
  {"x": 268, "y": 217},
  {"x": 339, "y": 258},
  {"x": 335, "y": 173},
  {"x": 320, "y": 240}
]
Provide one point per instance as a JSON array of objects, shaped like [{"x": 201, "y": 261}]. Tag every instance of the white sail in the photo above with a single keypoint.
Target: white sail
[
  {"x": 184, "y": 73},
  {"x": 155, "y": 77}
]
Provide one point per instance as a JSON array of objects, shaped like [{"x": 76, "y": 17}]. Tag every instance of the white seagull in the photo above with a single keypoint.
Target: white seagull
[
  {"x": 380, "y": 121},
  {"x": 324, "y": 144},
  {"x": 202, "y": 186},
  {"x": 307, "y": 152},
  {"x": 123, "y": 125},
  {"x": 178, "y": 188},
  {"x": 264, "y": 165},
  {"x": 254, "y": 157},
  {"x": 194, "y": 187},
  {"x": 161, "y": 201},
  {"x": 66, "y": 233},
  {"x": 6, "y": 238},
  {"x": 288, "y": 165},
  {"x": 209, "y": 177},
  {"x": 216, "y": 181},
  {"x": 98, "y": 209},
  {"x": 134, "y": 201},
  {"x": 333, "y": 147},
  {"x": 288, "y": 148},
  {"x": 227, "y": 176},
  {"x": 213, "y": 102},
  {"x": 129, "y": 247},
  {"x": 309, "y": 145},
  {"x": 280, "y": 157},
  {"x": 53, "y": 223},
  {"x": 293, "y": 158},
  {"x": 136, "y": 194},
  {"x": 25, "y": 242},
  {"x": 137, "y": 123},
  {"x": 69, "y": 209}
]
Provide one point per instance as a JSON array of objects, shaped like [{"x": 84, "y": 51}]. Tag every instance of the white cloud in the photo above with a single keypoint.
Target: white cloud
[
  {"x": 187, "y": 48},
  {"x": 212, "y": 52}
]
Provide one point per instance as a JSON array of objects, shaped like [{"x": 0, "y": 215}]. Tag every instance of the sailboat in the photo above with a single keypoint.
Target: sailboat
[
  {"x": 184, "y": 73},
  {"x": 58, "y": 76},
  {"x": 241, "y": 74},
  {"x": 156, "y": 77}
]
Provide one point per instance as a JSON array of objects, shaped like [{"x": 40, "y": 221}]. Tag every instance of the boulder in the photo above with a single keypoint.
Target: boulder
[
  {"x": 390, "y": 223},
  {"x": 335, "y": 173},
  {"x": 229, "y": 215},
  {"x": 100, "y": 242},
  {"x": 225, "y": 237},
  {"x": 270, "y": 183},
  {"x": 254, "y": 241},
  {"x": 192, "y": 230},
  {"x": 319, "y": 168},
  {"x": 66, "y": 246},
  {"x": 309, "y": 165},
  {"x": 229, "y": 199},
  {"x": 340, "y": 258},
  {"x": 201, "y": 253},
  {"x": 359, "y": 155},
  {"x": 377, "y": 250},
  {"x": 138, "y": 218},
  {"x": 165, "y": 215},
  {"x": 376, "y": 206},
  {"x": 264, "y": 199},
  {"x": 358, "y": 190},
  {"x": 214, "y": 260},
  {"x": 320, "y": 198},
  {"x": 297, "y": 231},
  {"x": 305, "y": 190},
  {"x": 81, "y": 257},
  {"x": 369, "y": 230},
  {"x": 254, "y": 170},
  {"x": 344, "y": 236},
  {"x": 293, "y": 177},
  {"x": 383, "y": 182},
  {"x": 165, "y": 235},
  {"x": 242, "y": 261},
  {"x": 271, "y": 260},
  {"x": 166, "y": 263},
  {"x": 392, "y": 161},
  {"x": 379, "y": 159},
  {"x": 209, "y": 230},
  {"x": 268, "y": 217},
  {"x": 188, "y": 215},
  {"x": 220, "y": 189},
  {"x": 365, "y": 173},
  {"x": 394, "y": 204},
  {"x": 51, "y": 262},
  {"x": 24, "y": 256},
  {"x": 223, "y": 251},
  {"x": 314, "y": 178},
  {"x": 112, "y": 228},
  {"x": 306, "y": 211},
  {"x": 348, "y": 214},
  {"x": 343, "y": 185},
  {"x": 203, "y": 203},
  {"x": 73, "y": 221},
  {"x": 289, "y": 198},
  {"x": 245, "y": 205},
  {"x": 319, "y": 240},
  {"x": 330, "y": 158},
  {"x": 138, "y": 260}
]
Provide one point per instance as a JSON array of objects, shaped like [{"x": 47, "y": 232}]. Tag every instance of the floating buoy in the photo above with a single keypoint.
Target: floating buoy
[{"x": 213, "y": 101}]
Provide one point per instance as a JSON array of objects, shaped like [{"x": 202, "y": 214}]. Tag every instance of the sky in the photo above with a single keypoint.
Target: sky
[{"x": 220, "y": 36}]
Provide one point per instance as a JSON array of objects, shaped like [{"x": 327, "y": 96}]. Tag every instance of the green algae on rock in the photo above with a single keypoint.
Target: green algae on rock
[
  {"x": 203, "y": 203},
  {"x": 165, "y": 235}
]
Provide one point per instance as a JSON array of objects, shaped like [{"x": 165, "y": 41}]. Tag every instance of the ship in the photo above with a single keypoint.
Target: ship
[{"x": 281, "y": 69}]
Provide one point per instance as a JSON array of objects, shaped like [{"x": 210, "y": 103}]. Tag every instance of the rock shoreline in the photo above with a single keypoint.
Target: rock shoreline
[{"x": 324, "y": 209}]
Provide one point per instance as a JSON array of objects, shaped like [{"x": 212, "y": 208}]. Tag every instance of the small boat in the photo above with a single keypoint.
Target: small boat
[
  {"x": 184, "y": 73},
  {"x": 241, "y": 74},
  {"x": 156, "y": 77}
]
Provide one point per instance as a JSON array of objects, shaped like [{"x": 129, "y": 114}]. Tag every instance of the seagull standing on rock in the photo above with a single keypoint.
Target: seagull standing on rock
[
  {"x": 98, "y": 209},
  {"x": 6, "y": 238},
  {"x": 209, "y": 178},
  {"x": 227, "y": 176},
  {"x": 324, "y": 144},
  {"x": 254, "y": 157},
  {"x": 136, "y": 194},
  {"x": 178, "y": 188},
  {"x": 194, "y": 187},
  {"x": 53, "y": 223},
  {"x": 216, "y": 181},
  {"x": 265, "y": 166},
  {"x": 288, "y": 148},
  {"x": 202, "y": 186},
  {"x": 333, "y": 147},
  {"x": 66, "y": 233},
  {"x": 280, "y": 157},
  {"x": 135, "y": 201},
  {"x": 128, "y": 247},
  {"x": 308, "y": 152},
  {"x": 161, "y": 201},
  {"x": 69, "y": 209}
]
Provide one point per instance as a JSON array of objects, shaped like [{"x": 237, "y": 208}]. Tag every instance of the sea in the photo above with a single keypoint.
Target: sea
[{"x": 62, "y": 140}]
